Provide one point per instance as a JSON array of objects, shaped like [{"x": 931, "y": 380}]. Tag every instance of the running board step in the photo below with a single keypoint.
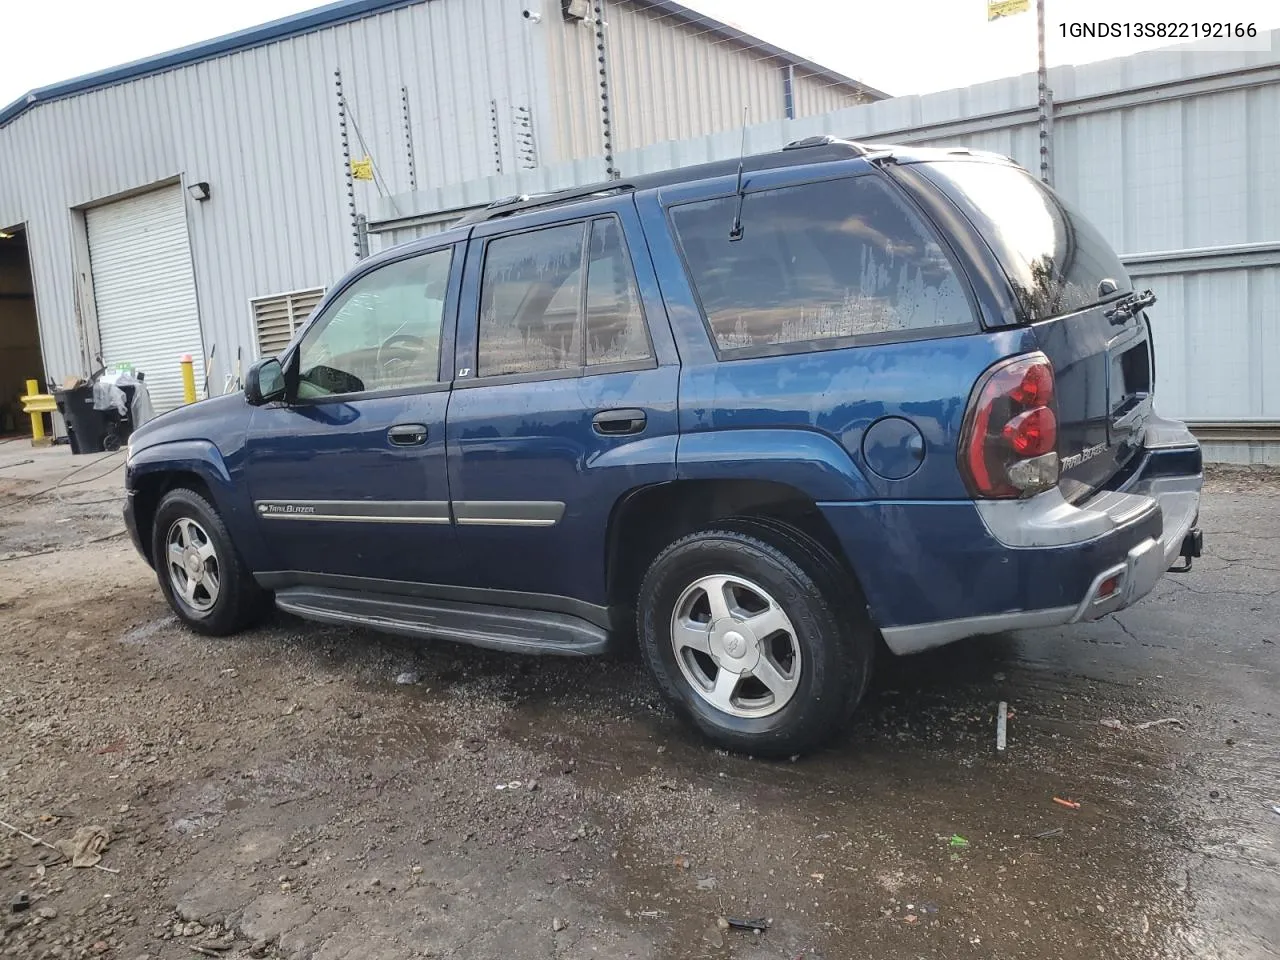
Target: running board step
[{"x": 497, "y": 628}]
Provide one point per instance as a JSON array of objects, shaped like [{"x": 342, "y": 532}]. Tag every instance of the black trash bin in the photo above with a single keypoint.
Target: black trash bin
[
  {"x": 86, "y": 427},
  {"x": 116, "y": 428}
]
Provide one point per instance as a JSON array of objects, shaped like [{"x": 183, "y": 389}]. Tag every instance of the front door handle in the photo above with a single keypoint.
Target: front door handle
[
  {"x": 619, "y": 423},
  {"x": 408, "y": 434}
]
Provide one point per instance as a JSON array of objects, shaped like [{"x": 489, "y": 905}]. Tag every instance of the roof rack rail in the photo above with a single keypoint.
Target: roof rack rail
[
  {"x": 531, "y": 201},
  {"x": 810, "y": 150},
  {"x": 826, "y": 140}
]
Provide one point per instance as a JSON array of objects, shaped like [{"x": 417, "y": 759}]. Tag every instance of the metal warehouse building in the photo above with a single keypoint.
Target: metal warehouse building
[{"x": 200, "y": 201}]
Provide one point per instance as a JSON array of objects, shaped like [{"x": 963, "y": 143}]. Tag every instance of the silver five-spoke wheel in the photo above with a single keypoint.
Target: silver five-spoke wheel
[
  {"x": 193, "y": 565},
  {"x": 736, "y": 646}
]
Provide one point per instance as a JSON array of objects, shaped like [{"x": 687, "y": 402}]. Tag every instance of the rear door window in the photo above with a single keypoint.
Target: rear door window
[
  {"x": 616, "y": 331},
  {"x": 1055, "y": 259},
  {"x": 531, "y": 302},
  {"x": 819, "y": 264},
  {"x": 536, "y": 316}
]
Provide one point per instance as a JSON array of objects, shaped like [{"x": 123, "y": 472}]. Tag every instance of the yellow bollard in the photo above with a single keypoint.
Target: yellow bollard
[
  {"x": 36, "y": 405},
  {"x": 188, "y": 379}
]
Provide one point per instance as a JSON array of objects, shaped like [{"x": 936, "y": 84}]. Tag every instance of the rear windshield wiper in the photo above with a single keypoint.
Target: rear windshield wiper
[{"x": 1129, "y": 306}]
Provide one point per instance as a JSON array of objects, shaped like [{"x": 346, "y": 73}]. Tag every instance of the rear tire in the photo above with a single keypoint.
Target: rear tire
[
  {"x": 756, "y": 636},
  {"x": 200, "y": 572}
]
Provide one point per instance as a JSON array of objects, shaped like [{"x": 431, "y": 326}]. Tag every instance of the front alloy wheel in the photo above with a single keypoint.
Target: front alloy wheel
[
  {"x": 194, "y": 571},
  {"x": 198, "y": 567}
]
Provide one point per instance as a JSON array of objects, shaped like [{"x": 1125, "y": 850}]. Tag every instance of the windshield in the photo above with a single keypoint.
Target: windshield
[{"x": 1055, "y": 259}]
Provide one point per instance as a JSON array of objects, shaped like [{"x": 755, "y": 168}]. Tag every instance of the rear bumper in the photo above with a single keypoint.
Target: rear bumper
[{"x": 935, "y": 572}]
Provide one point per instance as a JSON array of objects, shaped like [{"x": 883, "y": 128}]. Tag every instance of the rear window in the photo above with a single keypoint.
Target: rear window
[
  {"x": 818, "y": 264},
  {"x": 1055, "y": 259}
]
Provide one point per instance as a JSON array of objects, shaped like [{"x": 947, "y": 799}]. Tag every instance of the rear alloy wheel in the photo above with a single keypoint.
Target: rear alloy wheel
[
  {"x": 735, "y": 646},
  {"x": 751, "y": 634},
  {"x": 199, "y": 570}
]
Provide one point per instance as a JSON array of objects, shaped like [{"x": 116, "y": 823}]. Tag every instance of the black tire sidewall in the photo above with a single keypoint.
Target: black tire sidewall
[
  {"x": 227, "y": 613},
  {"x": 827, "y": 683}
]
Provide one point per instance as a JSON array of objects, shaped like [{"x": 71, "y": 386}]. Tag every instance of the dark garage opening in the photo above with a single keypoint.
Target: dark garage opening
[{"x": 20, "y": 358}]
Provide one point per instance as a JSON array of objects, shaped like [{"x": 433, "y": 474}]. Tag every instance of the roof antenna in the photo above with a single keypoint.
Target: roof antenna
[{"x": 735, "y": 231}]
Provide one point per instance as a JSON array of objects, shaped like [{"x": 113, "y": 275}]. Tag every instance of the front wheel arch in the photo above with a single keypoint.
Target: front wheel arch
[{"x": 150, "y": 488}]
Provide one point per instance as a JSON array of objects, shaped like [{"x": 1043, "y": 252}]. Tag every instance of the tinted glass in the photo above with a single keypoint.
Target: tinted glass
[
  {"x": 843, "y": 258},
  {"x": 615, "y": 321},
  {"x": 383, "y": 332},
  {"x": 530, "y": 302},
  {"x": 1055, "y": 258}
]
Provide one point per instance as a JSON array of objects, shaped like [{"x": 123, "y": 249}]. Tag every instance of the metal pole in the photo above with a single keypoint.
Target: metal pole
[
  {"x": 346, "y": 162},
  {"x": 606, "y": 111},
  {"x": 362, "y": 236},
  {"x": 1042, "y": 76},
  {"x": 497, "y": 136},
  {"x": 408, "y": 138}
]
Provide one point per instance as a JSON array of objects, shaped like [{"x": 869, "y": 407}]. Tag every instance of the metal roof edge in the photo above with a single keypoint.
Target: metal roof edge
[
  {"x": 733, "y": 33},
  {"x": 343, "y": 11}
]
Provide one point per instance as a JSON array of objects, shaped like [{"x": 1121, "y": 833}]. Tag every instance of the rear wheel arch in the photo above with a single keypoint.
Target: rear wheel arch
[{"x": 646, "y": 520}]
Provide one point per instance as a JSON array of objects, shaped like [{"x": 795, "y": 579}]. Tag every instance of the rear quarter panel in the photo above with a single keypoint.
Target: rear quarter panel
[
  {"x": 833, "y": 395},
  {"x": 837, "y": 395}
]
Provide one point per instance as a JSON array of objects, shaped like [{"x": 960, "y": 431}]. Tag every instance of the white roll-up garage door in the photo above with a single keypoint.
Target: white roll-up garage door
[{"x": 145, "y": 290}]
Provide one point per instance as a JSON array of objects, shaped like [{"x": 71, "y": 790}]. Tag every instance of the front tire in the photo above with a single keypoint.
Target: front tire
[
  {"x": 200, "y": 572},
  {"x": 750, "y": 633}
]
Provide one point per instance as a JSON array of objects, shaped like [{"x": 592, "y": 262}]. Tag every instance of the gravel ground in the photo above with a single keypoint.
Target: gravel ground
[{"x": 305, "y": 791}]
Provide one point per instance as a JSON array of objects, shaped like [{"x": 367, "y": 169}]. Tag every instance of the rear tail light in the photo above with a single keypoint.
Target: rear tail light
[{"x": 1009, "y": 445}]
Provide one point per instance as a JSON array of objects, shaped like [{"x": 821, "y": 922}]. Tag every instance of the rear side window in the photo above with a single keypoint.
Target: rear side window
[
  {"x": 817, "y": 264},
  {"x": 535, "y": 315},
  {"x": 616, "y": 331},
  {"x": 1055, "y": 259}
]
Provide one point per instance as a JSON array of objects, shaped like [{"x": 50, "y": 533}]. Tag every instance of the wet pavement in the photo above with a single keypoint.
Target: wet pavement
[{"x": 282, "y": 786}]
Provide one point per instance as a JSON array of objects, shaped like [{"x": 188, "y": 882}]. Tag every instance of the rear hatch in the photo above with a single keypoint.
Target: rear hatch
[{"x": 1073, "y": 290}]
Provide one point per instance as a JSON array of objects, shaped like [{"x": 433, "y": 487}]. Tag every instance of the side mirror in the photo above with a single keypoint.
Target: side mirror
[{"x": 264, "y": 382}]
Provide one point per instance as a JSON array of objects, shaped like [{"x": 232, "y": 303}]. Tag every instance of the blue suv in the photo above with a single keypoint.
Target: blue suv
[{"x": 760, "y": 413}]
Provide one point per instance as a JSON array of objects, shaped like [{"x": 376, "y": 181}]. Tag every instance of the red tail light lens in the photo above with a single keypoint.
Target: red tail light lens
[
  {"x": 1009, "y": 443},
  {"x": 1033, "y": 432},
  {"x": 1036, "y": 387}
]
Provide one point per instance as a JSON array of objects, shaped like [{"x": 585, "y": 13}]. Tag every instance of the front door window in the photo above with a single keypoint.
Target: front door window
[{"x": 381, "y": 333}]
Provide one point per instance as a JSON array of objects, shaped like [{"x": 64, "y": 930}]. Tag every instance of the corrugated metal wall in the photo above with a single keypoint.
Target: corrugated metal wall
[
  {"x": 572, "y": 128},
  {"x": 383, "y": 239},
  {"x": 261, "y": 127},
  {"x": 1174, "y": 155},
  {"x": 671, "y": 79},
  {"x": 814, "y": 94}
]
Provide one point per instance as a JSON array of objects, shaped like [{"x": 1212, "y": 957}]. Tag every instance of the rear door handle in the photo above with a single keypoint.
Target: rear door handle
[
  {"x": 619, "y": 423},
  {"x": 408, "y": 434}
]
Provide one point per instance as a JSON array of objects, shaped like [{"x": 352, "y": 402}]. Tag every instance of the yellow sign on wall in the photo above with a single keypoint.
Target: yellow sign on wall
[
  {"x": 362, "y": 169},
  {"x": 1006, "y": 8}
]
